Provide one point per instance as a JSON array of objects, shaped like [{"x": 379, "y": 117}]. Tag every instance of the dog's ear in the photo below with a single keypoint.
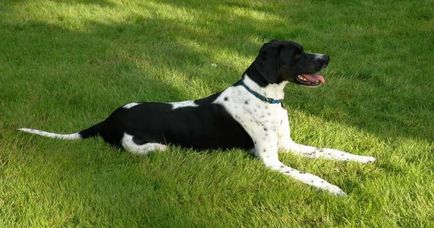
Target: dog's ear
[{"x": 268, "y": 61}]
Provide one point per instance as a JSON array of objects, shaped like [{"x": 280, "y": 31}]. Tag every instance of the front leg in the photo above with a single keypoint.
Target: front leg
[
  {"x": 266, "y": 147},
  {"x": 327, "y": 153},
  {"x": 287, "y": 145}
]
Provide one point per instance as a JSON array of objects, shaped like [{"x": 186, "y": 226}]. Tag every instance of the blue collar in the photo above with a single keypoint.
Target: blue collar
[{"x": 259, "y": 96}]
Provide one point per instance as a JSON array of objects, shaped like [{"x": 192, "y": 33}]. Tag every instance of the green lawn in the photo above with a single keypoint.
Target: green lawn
[{"x": 66, "y": 64}]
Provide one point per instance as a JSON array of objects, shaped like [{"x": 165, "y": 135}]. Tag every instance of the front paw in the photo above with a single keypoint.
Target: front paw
[
  {"x": 335, "y": 190},
  {"x": 366, "y": 159},
  {"x": 344, "y": 156}
]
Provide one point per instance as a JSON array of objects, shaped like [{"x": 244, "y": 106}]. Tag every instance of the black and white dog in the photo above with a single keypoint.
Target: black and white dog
[{"x": 247, "y": 115}]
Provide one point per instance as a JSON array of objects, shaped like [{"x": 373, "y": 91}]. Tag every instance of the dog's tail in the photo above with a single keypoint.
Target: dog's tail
[{"x": 86, "y": 133}]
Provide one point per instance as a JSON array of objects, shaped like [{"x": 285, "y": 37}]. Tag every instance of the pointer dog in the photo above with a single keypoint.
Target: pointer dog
[{"x": 247, "y": 115}]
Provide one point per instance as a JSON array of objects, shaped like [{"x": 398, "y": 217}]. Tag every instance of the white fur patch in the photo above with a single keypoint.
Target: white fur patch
[
  {"x": 130, "y": 105},
  {"x": 74, "y": 136},
  {"x": 183, "y": 104},
  {"x": 268, "y": 126},
  {"x": 129, "y": 145},
  {"x": 258, "y": 118}
]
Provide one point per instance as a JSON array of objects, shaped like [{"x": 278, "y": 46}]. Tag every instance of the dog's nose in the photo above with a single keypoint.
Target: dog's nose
[{"x": 325, "y": 60}]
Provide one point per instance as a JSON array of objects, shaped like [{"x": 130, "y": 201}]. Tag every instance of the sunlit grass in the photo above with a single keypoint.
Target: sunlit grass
[{"x": 66, "y": 64}]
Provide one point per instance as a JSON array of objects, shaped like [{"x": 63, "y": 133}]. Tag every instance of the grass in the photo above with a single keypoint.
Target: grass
[{"x": 65, "y": 65}]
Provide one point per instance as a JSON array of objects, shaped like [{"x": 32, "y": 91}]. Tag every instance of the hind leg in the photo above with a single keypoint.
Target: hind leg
[{"x": 130, "y": 145}]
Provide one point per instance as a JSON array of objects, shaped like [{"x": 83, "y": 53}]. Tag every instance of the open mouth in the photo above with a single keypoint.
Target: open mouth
[{"x": 310, "y": 79}]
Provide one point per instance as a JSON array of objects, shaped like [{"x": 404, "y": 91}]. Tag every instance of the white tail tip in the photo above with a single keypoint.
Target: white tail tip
[{"x": 73, "y": 136}]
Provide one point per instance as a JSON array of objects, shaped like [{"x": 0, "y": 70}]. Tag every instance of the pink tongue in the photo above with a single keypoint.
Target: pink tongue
[{"x": 314, "y": 78}]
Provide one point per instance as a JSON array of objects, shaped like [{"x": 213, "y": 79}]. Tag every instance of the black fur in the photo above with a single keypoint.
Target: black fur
[
  {"x": 280, "y": 61},
  {"x": 207, "y": 126}
]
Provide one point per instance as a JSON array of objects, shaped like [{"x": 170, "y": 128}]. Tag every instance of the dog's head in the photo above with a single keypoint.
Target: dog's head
[{"x": 280, "y": 61}]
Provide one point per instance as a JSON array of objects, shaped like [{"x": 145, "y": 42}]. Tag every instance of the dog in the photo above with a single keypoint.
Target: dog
[{"x": 247, "y": 115}]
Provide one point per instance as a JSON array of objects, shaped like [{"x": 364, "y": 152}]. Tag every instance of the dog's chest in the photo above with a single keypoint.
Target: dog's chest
[{"x": 253, "y": 114}]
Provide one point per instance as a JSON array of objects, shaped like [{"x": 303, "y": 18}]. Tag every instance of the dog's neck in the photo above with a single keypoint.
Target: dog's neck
[{"x": 274, "y": 91}]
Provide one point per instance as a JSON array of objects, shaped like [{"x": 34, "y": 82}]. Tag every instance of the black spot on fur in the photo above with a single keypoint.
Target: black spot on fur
[
  {"x": 246, "y": 102},
  {"x": 226, "y": 98},
  {"x": 265, "y": 129}
]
